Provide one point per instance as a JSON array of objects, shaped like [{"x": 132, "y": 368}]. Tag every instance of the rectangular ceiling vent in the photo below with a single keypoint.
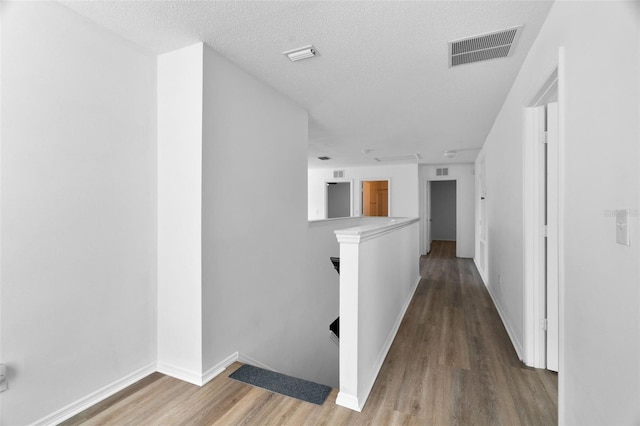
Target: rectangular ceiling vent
[
  {"x": 442, "y": 172},
  {"x": 338, "y": 174},
  {"x": 403, "y": 157},
  {"x": 497, "y": 44}
]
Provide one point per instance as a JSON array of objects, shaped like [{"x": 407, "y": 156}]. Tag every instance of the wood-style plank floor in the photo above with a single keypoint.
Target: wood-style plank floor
[{"x": 451, "y": 364}]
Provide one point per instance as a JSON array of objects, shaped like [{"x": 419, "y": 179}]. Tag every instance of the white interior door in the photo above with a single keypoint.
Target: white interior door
[
  {"x": 428, "y": 216},
  {"x": 482, "y": 221},
  {"x": 552, "y": 236}
]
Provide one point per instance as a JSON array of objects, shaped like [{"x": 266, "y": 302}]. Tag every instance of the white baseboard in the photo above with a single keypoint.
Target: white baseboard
[
  {"x": 348, "y": 401},
  {"x": 480, "y": 271},
  {"x": 95, "y": 397},
  {"x": 507, "y": 325},
  {"x": 105, "y": 392},
  {"x": 193, "y": 377},
  {"x": 357, "y": 402},
  {"x": 246, "y": 359},
  {"x": 208, "y": 375}
]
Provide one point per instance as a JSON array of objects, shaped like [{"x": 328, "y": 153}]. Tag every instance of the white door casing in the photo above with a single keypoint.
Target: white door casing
[{"x": 552, "y": 236}]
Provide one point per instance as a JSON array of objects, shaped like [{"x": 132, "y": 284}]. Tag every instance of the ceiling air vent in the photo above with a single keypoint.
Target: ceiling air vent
[
  {"x": 324, "y": 158},
  {"x": 442, "y": 172},
  {"x": 338, "y": 174},
  {"x": 301, "y": 53},
  {"x": 399, "y": 157},
  {"x": 498, "y": 44}
]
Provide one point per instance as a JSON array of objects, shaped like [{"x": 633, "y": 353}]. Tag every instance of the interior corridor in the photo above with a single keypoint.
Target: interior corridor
[{"x": 451, "y": 363}]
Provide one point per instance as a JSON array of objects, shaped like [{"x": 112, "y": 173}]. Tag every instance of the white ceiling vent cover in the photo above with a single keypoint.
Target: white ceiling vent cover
[
  {"x": 301, "y": 53},
  {"x": 403, "y": 157},
  {"x": 497, "y": 44}
]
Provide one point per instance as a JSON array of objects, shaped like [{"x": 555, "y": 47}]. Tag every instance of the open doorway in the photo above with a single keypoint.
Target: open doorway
[
  {"x": 375, "y": 198},
  {"x": 338, "y": 200},
  {"x": 443, "y": 210}
]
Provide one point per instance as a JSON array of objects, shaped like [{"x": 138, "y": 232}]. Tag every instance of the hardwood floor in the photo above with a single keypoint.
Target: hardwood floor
[{"x": 451, "y": 364}]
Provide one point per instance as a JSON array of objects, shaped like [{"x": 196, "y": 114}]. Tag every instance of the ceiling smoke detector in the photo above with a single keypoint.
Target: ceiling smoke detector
[
  {"x": 301, "y": 53},
  {"x": 497, "y": 44}
]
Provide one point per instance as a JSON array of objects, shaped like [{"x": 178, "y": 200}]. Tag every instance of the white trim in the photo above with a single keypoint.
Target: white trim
[
  {"x": 211, "y": 373},
  {"x": 193, "y": 377},
  {"x": 367, "y": 232},
  {"x": 553, "y": 254},
  {"x": 348, "y": 401},
  {"x": 357, "y": 402},
  {"x": 95, "y": 397},
  {"x": 561, "y": 204},
  {"x": 246, "y": 359},
  {"x": 480, "y": 272},
  {"x": 507, "y": 325},
  {"x": 314, "y": 222}
]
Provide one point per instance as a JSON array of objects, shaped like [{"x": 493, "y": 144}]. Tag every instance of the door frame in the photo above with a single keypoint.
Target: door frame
[
  {"x": 361, "y": 193},
  {"x": 326, "y": 194},
  {"x": 427, "y": 216},
  {"x": 534, "y": 294}
]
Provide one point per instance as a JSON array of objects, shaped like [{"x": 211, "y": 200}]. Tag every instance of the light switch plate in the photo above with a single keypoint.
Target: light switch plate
[{"x": 622, "y": 227}]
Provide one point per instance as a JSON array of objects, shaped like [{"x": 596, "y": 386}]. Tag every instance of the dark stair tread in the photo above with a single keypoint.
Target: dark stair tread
[
  {"x": 336, "y": 263},
  {"x": 335, "y": 327}
]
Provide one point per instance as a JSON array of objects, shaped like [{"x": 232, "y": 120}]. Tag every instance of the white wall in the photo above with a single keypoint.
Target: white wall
[
  {"x": 599, "y": 95},
  {"x": 378, "y": 275},
  {"x": 78, "y": 209},
  {"x": 403, "y": 188},
  {"x": 463, "y": 174},
  {"x": 180, "y": 82},
  {"x": 255, "y": 295}
]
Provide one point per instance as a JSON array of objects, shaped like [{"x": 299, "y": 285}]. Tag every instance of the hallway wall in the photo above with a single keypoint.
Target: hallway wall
[{"x": 600, "y": 172}]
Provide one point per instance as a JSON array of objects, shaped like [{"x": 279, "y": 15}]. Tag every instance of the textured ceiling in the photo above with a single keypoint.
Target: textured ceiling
[{"x": 381, "y": 82}]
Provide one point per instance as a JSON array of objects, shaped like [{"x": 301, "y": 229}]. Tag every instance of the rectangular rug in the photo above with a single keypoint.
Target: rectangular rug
[{"x": 282, "y": 384}]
